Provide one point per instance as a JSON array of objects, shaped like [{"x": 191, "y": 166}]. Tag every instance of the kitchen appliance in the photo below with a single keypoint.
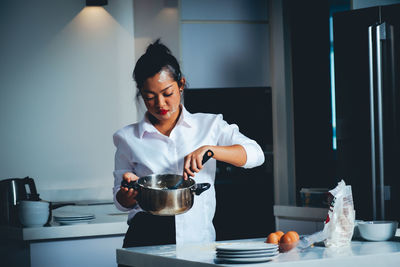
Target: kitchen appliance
[
  {"x": 367, "y": 85},
  {"x": 11, "y": 192},
  {"x": 315, "y": 197}
]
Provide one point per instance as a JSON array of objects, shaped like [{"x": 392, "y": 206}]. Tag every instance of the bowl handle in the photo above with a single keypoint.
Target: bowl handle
[
  {"x": 200, "y": 188},
  {"x": 131, "y": 184}
]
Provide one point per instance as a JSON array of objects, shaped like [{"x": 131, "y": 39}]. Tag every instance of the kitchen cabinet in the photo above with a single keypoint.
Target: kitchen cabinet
[
  {"x": 225, "y": 44},
  {"x": 91, "y": 244},
  {"x": 304, "y": 220},
  {"x": 89, "y": 251},
  {"x": 225, "y": 10},
  {"x": 244, "y": 196}
]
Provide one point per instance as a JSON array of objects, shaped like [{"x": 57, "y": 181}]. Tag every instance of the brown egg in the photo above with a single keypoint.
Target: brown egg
[
  {"x": 294, "y": 235},
  {"x": 273, "y": 238},
  {"x": 288, "y": 241},
  {"x": 279, "y": 233}
]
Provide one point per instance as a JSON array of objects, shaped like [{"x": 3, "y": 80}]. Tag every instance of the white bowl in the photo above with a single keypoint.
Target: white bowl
[
  {"x": 377, "y": 230},
  {"x": 33, "y": 207},
  {"x": 33, "y": 204},
  {"x": 30, "y": 218}
]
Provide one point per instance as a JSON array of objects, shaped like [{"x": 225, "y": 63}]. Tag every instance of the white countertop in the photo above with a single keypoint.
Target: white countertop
[
  {"x": 358, "y": 254},
  {"x": 108, "y": 221}
]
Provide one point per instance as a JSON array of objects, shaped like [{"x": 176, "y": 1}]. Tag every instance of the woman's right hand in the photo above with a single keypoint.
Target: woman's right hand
[{"x": 125, "y": 196}]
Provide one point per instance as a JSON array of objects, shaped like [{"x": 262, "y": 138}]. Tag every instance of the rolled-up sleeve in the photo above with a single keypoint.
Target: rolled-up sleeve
[
  {"x": 122, "y": 165},
  {"x": 229, "y": 134}
]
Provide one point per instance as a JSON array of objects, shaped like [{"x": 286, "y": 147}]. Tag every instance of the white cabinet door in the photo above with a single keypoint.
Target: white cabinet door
[
  {"x": 225, "y": 43},
  {"x": 76, "y": 252}
]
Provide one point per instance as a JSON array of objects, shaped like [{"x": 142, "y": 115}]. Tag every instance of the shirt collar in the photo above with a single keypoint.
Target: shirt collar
[
  {"x": 186, "y": 118},
  {"x": 145, "y": 126}
]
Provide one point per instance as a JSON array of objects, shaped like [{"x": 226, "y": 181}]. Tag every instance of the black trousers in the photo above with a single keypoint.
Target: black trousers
[{"x": 146, "y": 229}]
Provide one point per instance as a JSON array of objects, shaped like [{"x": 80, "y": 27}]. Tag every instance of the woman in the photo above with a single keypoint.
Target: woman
[{"x": 171, "y": 140}]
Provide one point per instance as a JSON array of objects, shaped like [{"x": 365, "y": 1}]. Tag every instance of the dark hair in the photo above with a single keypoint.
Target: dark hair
[{"x": 157, "y": 57}]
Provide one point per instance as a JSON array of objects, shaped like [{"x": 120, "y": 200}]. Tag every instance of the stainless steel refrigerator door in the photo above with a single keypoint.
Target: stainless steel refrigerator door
[{"x": 381, "y": 74}]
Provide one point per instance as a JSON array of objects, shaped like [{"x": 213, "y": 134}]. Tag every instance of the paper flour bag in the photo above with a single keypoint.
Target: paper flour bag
[{"x": 339, "y": 224}]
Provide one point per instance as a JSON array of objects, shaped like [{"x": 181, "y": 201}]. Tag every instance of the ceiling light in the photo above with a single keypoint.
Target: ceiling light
[{"x": 96, "y": 2}]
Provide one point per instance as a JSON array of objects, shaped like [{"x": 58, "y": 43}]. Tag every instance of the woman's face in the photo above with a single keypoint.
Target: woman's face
[{"x": 162, "y": 96}]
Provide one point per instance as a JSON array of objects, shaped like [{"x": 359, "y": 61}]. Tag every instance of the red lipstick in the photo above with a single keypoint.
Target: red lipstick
[{"x": 163, "y": 111}]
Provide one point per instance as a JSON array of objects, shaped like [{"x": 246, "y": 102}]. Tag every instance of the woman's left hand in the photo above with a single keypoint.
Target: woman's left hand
[{"x": 192, "y": 162}]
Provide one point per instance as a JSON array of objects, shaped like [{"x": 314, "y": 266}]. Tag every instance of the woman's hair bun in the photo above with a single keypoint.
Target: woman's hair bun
[
  {"x": 157, "y": 48},
  {"x": 156, "y": 57}
]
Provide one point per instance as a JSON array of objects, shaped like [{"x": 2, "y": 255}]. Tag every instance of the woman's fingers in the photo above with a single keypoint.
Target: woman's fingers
[
  {"x": 124, "y": 189},
  {"x": 199, "y": 159},
  {"x": 193, "y": 164},
  {"x": 128, "y": 194},
  {"x": 186, "y": 168},
  {"x": 129, "y": 176},
  {"x": 131, "y": 193}
]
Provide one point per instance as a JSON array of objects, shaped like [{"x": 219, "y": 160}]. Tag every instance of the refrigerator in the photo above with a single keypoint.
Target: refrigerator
[{"x": 367, "y": 88}]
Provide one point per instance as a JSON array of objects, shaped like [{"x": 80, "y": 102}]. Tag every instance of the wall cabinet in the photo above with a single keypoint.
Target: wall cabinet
[{"x": 225, "y": 43}]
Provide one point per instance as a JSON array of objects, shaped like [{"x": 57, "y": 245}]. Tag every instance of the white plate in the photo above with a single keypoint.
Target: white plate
[
  {"x": 73, "y": 219},
  {"x": 246, "y": 260},
  {"x": 245, "y": 252},
  {"x": 252, "y": 255},
  {"x": 72, "y": 215},
  {"x": 75, "y": 222},
  {"x": 252, "y": 246}
]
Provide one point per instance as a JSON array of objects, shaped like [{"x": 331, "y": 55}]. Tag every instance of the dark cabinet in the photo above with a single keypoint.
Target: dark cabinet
[{"x": 244, "y": 196}]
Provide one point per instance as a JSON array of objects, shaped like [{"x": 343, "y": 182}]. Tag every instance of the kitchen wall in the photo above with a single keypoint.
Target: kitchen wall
[
  {"x": 66, "y": 87},
  {"x": 66, "y": 82},
  {"x": 155, "y": 19}
]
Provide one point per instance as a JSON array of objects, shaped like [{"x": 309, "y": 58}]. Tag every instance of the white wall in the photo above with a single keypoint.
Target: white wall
[
  {"x": 155, "y": 19},
  {"x": 66, "y": 84},
  {"x": 66, "y": 87}
]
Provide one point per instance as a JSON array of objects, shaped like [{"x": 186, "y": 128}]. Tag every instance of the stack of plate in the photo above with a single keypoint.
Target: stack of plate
[
  {"x": 73, "y": 218},
  {"x": 247, "y": 252}
]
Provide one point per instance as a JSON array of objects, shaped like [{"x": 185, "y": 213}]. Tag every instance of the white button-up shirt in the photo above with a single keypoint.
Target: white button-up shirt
[{"x": 143, "y": 150}]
